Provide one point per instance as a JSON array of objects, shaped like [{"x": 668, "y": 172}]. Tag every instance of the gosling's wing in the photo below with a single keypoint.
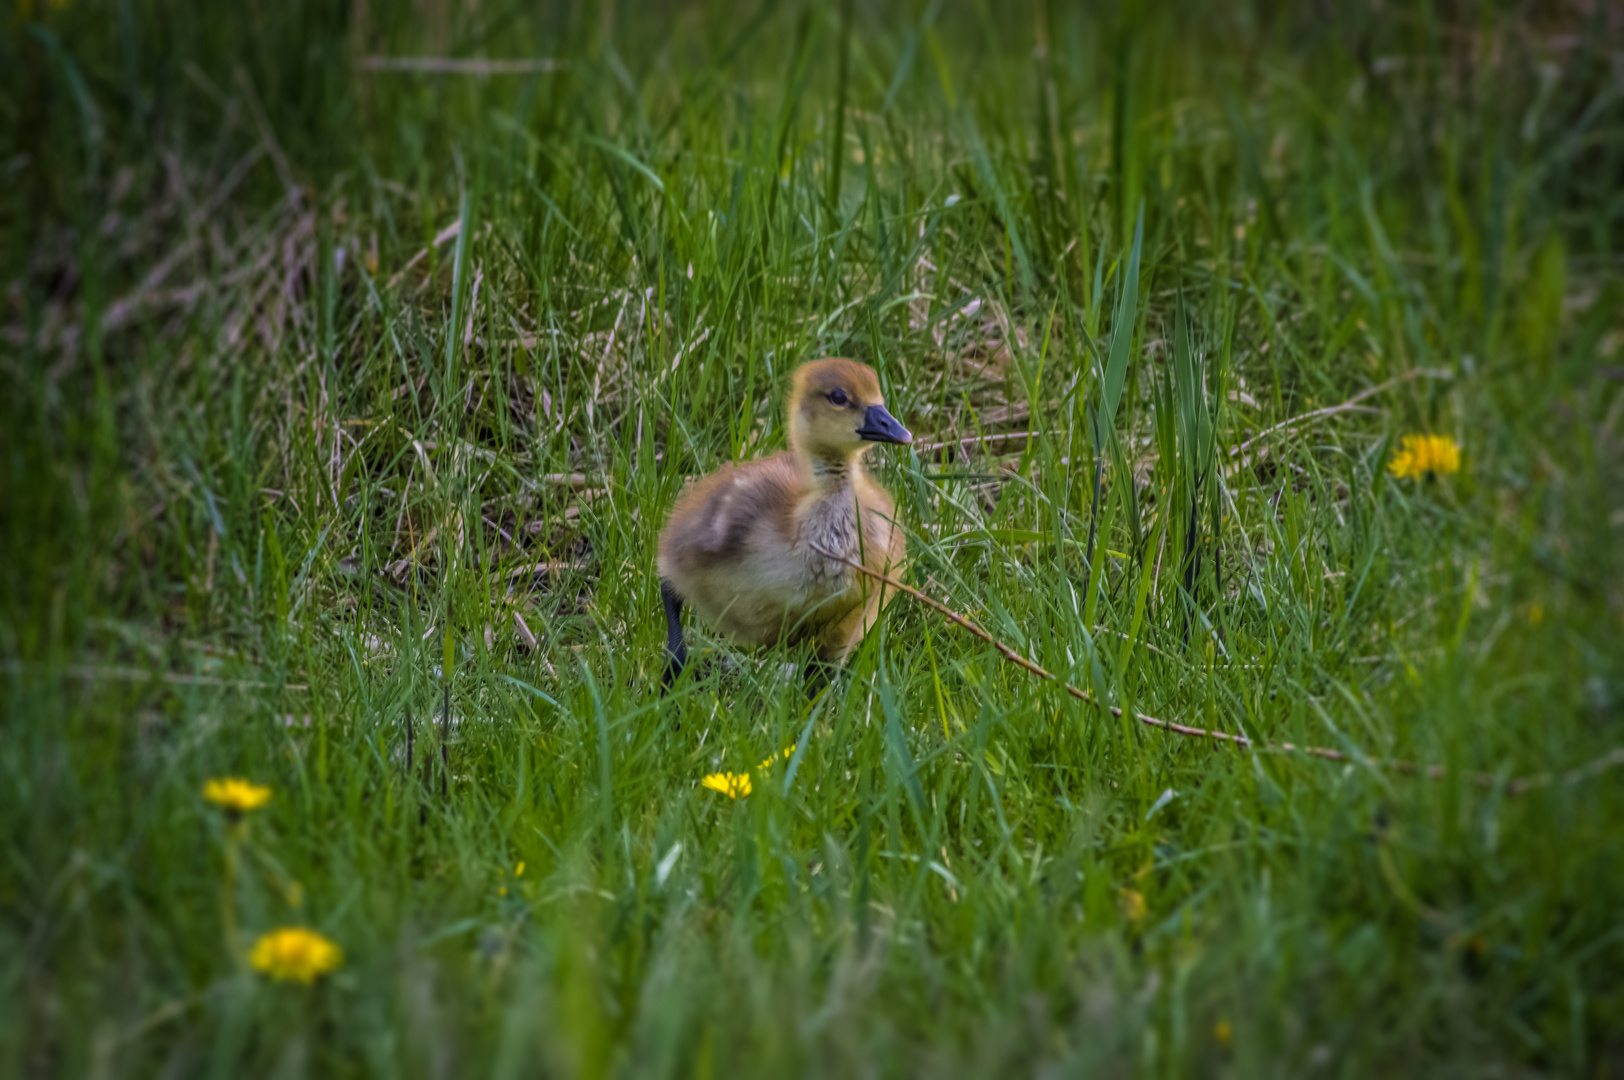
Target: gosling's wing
[{"x": 727, "y": 515}]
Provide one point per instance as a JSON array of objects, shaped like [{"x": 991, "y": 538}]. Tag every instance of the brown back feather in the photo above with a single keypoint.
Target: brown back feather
[{"x": 713, "y": 520}]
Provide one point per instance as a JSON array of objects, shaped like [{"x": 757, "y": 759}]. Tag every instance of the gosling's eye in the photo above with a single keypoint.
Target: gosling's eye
[{"x": 838, "y": 397}]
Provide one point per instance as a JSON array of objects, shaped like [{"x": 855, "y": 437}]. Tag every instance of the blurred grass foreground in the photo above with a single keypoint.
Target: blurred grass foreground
[{"x": 1267, "y": 368}]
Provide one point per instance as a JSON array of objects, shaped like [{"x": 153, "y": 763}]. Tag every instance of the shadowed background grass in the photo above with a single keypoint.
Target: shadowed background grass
[{"x": 353, "y": 354}]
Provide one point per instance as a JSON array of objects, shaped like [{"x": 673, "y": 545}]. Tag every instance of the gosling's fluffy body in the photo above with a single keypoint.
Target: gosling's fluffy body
[
  {"x": 742, "y": 545},
  {"x": 743, "y": 549}
]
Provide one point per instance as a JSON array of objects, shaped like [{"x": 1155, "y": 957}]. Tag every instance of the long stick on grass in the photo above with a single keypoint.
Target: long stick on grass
[
  {"x": 1350, "y": 405},
  {"x": 1515, "y": 786}
]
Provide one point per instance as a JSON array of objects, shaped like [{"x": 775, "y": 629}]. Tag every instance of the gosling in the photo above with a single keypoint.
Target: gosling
[{"x": 745, "y": 545}]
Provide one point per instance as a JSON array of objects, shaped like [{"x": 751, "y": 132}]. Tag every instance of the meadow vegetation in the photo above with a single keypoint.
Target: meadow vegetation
[{"x": 345, "y": 391}]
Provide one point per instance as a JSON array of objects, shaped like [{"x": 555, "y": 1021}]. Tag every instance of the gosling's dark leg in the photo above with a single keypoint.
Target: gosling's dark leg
[
  {"x": 676, "y": 650},
  {"x": 819, "y": 674}
]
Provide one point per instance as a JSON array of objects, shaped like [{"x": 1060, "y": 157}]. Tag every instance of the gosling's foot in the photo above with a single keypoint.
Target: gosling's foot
[
  {"x": 704, "y": 666},
  {"x": 820, "y": 675}
]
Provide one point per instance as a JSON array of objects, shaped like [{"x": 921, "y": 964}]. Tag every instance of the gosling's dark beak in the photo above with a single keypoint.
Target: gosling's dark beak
[{"x": 881, "y": 426}]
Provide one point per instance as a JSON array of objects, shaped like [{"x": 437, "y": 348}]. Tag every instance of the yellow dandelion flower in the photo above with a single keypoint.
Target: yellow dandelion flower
[
  {"x": 732, "y": 785},
  {"x": 518, "y": 871},
  {"x": 236, "y": 796},
  {"x": 295, "y": 954},
  {"x": 1223, "y": 1032},
  {"x": 1426, "y": 454}
]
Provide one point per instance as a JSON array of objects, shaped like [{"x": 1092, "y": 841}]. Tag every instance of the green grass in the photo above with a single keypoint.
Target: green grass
[{"x": 281, "y": 470}]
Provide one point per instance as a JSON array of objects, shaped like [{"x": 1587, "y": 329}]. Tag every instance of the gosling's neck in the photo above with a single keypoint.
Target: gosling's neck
[
  {"x": 827, "y": 512},
  {"x": 829, "y": 473}
]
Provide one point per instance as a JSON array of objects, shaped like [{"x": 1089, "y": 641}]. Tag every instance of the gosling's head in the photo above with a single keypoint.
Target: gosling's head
[{"x": 836, "y": 410}]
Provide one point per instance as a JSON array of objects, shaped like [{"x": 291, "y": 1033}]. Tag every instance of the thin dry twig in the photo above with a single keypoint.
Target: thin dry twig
[
  {"x": 1514, "y": 786},
  {"x": 531, "y": 644},
  {"x": 1350, "y": 405},
  {"x": 444, "y": 236},
  {"x": 957, "y": 447},
  {"x": 578, "y": 481}
]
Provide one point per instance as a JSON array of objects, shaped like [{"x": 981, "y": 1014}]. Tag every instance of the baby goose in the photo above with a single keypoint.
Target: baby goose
[{"x": 743, "y": 544}]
